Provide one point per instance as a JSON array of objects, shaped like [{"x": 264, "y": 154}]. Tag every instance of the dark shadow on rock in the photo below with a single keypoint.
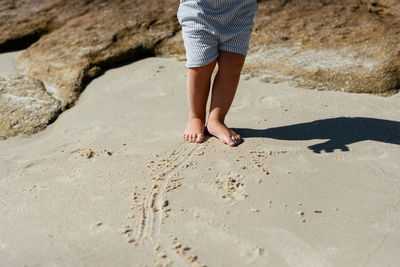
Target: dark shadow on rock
[
  {"x": 340, "y": 131},
  {"x": 128, "y": 57},
  {"x": 21, "y": 43}
]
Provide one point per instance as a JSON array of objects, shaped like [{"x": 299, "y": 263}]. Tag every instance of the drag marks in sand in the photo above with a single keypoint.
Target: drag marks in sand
[
  {"x": 210, "y": 178},
  {"x": 151, "y": 206}
]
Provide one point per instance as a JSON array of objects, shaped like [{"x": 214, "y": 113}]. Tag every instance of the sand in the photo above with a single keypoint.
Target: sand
[
  {"x": 7, "y": 63},
  {"x": 110, "y": 183}
]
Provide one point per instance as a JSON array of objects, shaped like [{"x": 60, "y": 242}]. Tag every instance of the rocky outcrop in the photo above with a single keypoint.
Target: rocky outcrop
[
  {"x": 81, "y": 49},
  {"x": 25, "y": 106},
  {"x": 338, "y": 45},
  {"x": 350, "y": 45},
  {"x": 24, "y": 22}
]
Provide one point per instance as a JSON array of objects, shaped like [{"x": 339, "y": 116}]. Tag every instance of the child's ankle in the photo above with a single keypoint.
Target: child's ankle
[
  {"x": 197, "y": 117},
  {"x": 216, "y": 119}
]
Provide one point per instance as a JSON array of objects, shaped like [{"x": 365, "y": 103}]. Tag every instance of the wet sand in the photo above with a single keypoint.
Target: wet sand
[{"x": 315, "y": 182}]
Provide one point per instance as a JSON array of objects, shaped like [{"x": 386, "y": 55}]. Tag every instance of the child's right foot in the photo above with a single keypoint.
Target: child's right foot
[{"x": 194, "y": 131}]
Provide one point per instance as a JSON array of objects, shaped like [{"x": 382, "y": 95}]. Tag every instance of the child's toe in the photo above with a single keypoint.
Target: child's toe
[
  {"x": 230, "y": 142},
  {"x": 200, "y": 138}
]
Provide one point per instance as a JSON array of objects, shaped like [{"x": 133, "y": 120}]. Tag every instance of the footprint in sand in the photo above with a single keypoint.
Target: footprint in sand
[{"x": 267, "y": 101}]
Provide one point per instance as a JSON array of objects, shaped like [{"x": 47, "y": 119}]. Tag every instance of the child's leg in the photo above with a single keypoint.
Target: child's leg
[
  {"x": 223, "y": 92},
  {"x": 198, "y": 86}
]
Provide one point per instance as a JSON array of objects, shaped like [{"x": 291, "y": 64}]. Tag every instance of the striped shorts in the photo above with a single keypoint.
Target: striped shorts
[{"x": 209, "y": 26}]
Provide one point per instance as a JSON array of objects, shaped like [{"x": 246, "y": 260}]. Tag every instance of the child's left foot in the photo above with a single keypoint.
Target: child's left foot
[{"x": 226, "y": 135}]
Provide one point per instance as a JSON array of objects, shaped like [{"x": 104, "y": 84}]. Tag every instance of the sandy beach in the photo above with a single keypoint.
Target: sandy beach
[{"x": 110, "y": 183}]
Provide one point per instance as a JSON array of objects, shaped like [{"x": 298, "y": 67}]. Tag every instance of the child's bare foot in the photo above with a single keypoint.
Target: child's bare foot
[
  {"x": 194, "y": 131},
  {"x": 219, "y": 130}
]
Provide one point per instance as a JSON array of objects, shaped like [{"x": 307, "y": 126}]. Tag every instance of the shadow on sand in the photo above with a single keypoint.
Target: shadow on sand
[{"x": 340, "y": 131}]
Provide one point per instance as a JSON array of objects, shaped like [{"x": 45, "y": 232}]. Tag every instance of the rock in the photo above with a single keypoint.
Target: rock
[
  {"x": 71, "y": 56},
  {"x": 386, "y": 7},
  {"x": 336, "y": 45},
  {"x": 25, "y": 106},
  {"x": 24, "y": 22},
  {"x": 172, "y": 47}
]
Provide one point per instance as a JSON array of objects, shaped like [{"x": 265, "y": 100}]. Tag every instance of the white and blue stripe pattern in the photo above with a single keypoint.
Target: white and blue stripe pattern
[{"x": 209, "y": 26}]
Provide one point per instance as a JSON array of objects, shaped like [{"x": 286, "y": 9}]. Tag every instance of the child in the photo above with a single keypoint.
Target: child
[{"x": 214, "y": 31}]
